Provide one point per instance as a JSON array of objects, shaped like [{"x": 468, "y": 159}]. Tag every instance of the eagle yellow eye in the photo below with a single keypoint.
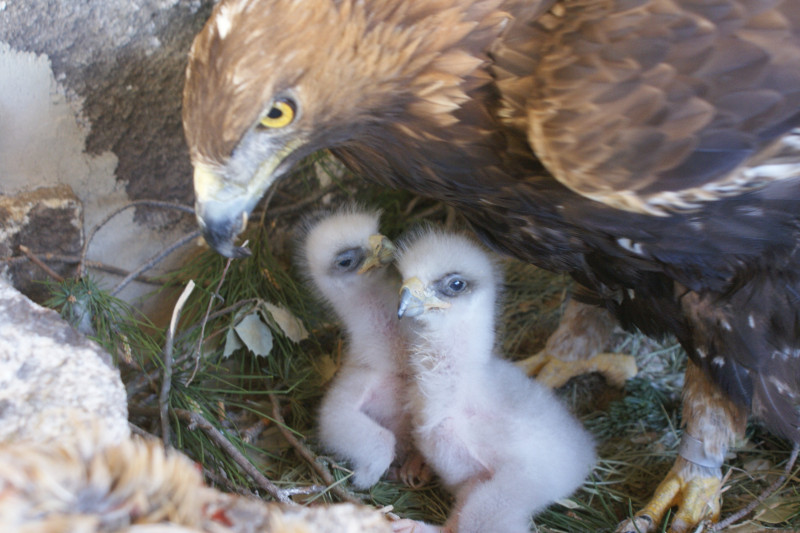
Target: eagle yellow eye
[{"x": 279, "y": 115}]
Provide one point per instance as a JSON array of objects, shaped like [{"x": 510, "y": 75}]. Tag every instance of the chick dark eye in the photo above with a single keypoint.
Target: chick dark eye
[
  {"x": 457, "y": 285},
  {"x": 452, "y": 285},
  {"x": 348, "y": 260}
]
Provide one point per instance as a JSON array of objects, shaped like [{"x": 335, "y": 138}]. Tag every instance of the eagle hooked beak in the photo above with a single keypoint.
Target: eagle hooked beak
[
  {"x": 381, "y": 253},
  {"x": 222, "y": 205},
  {"x": 221, "y": 211},
  {"x": 415, "y": 299}
]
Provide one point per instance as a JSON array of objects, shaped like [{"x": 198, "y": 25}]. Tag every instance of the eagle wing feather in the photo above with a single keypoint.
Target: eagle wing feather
[{"x": 652, "y": 110}]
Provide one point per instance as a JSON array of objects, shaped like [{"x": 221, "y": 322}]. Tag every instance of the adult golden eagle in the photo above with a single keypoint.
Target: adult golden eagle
[{"x": 667, "y": 128}]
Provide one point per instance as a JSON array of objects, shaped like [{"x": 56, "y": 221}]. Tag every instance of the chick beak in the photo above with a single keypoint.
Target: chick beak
[
  {"x": 415, "y": 299},
  {"x": 381, "y": 253}
]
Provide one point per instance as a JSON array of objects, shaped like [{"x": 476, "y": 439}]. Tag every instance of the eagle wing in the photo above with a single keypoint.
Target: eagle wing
[{"x": 655, "y": 110}]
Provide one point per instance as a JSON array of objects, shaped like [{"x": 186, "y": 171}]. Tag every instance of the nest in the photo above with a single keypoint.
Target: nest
[{"x": 252, "y": 350}]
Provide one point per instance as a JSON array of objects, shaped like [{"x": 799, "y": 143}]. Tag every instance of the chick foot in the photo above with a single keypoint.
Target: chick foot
[
  {"x": 694, "y": 489},
  {"x": 414, "y": 472}
]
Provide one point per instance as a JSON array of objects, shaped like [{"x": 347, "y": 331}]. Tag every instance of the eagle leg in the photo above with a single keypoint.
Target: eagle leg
[
  {"x": 574, "y": 349},
  {"x": 694, "y": 481}
]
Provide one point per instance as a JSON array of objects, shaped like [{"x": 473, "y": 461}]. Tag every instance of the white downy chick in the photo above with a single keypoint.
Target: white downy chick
[
  {"x": 363, "y": 418},
  {"x": 503, "y": 443}
]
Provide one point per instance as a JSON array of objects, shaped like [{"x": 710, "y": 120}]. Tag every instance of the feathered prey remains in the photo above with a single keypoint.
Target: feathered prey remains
[
  {"x": 668, "y": 130},
  {"x": 363, "y": 415},
  {"x": 502, "y": 442}
]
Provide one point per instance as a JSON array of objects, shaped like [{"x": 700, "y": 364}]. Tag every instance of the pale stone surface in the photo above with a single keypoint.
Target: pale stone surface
[
  {"x": 90, "y": 97},
  {"x": 53, "y": 380}
]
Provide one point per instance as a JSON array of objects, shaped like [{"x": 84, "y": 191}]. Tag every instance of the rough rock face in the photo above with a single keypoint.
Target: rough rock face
[
  {"x": 123, "y": 62},
  {"x": 90, "y": 97},
  {"x": 48, "y": 221},
  {"x": 53, "y": 380}
]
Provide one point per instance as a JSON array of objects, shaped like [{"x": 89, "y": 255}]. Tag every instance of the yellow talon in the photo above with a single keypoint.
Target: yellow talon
[
  {"x": 696, "y": 495},
  {"x": 555, "y": 373}
]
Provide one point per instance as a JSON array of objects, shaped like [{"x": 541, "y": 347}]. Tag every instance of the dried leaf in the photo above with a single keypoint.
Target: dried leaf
[
  {"x": 291, "y": 326},
  {"x": 232, "y": 343},
  {"x": 255, "y": 334}
]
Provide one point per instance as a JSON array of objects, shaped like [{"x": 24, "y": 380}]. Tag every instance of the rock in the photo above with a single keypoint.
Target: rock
[
  {"x": 48, "y": 220},
  {"x": 122, "y": 63},
  {"x": 54, "y": 380},
  {"x": 90, "y": 97}
]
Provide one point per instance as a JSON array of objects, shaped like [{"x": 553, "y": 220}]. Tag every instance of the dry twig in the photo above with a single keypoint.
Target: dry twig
[
  {"x": 308, "y": 455},
  {"x": 74, "y": 259},
  {"x": 163, "y": 399},
  {"x": 153, "y": 261},
  {"x": 741, "y": 513},
  {"x": 215, "y": 435},
  {"x": 139, "y": 383},
  {"x": 206, "y": 317},
  {"x": 38, "y": 262},
  {"x": 196, "y": 420},
  {"x": 137, "y": 203}
]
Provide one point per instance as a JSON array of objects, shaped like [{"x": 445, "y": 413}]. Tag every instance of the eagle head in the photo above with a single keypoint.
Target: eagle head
[{"x": 271, "y": 81}]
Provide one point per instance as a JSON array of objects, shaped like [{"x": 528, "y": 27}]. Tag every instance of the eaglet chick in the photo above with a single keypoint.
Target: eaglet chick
[
  {"x": 362, "y": 417},
  {"x": 503, "y": 443}
]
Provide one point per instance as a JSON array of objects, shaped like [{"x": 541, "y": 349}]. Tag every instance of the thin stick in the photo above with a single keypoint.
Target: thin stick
[
  {"x": 38, "y": 262},
  {"x": 222, "y": 481},
  {"x": 153, "y": 261},
  {"x": 308, "y": 455},
  {"x": 197, "y": 420},
  {"x": 136, "y": 430},
  {"x": 111, "y": 269},
  {"x": 166, "y": 384},
  {"x": 215, "y": 435},
  {"x": 761, "y": 497},
  {"x": 74, "y": 259},
  {"x": 136, "y": 203},
  {"x": 198, "y": 352}
]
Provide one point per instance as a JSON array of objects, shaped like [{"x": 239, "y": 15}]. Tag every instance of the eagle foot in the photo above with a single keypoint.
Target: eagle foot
[
  {"x": 553, "y": 372},
  {"x": 694, "y": 489}
]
